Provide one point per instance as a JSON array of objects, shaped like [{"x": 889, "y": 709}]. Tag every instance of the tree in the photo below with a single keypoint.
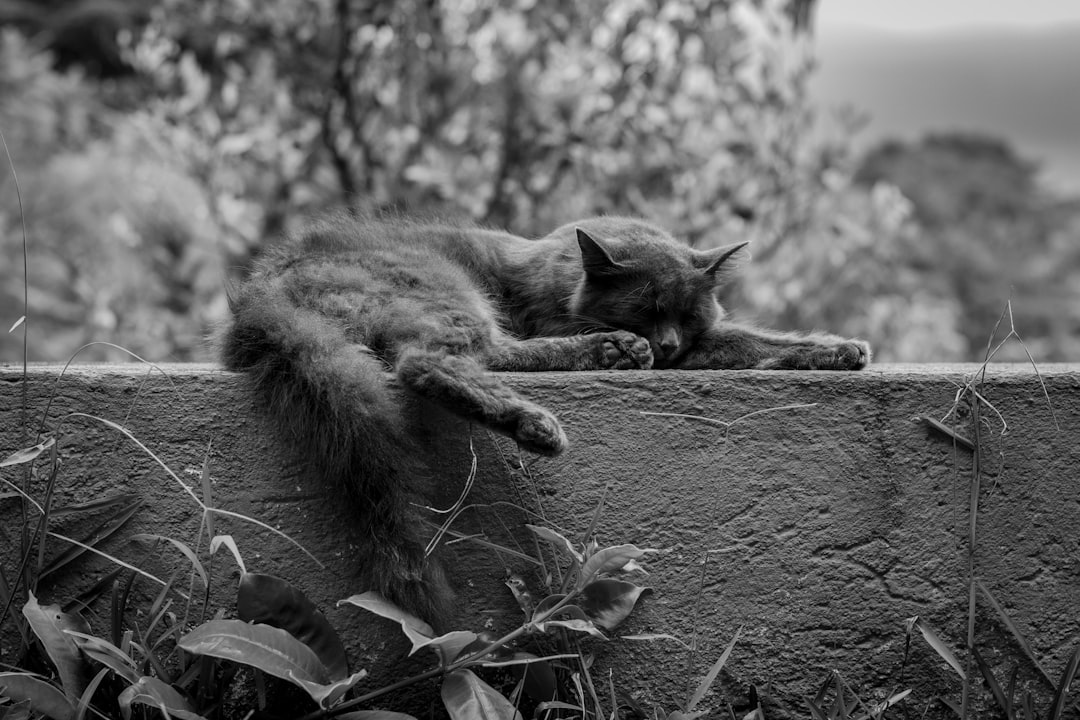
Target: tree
[{"x": 989, "y": 233}]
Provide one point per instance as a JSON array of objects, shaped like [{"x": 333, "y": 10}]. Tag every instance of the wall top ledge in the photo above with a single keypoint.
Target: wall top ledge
[{"x": 890, "y": 371}]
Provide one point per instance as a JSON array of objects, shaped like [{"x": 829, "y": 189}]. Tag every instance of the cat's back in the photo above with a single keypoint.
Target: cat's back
[{"x": 344, "y": 240}]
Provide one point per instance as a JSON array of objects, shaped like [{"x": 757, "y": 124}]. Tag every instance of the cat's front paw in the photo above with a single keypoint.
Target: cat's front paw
[
  {"x": 622, "y": 350},
  {"x": 821, "y": 353},
  {"x": 844, "y": 355},
  {"x": 851, "y": 355}
]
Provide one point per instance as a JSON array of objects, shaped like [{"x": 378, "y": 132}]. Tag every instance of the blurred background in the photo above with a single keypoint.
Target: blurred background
[{"x": 904, "y": 170}]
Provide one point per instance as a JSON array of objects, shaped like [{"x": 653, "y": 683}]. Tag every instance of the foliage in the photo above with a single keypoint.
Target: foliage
[
  {"x": 185, "y": 668},
  {"x": 988, "y": 233},
  {"x": 186, "y": 134},
  {"x": 234, "y": 119}
]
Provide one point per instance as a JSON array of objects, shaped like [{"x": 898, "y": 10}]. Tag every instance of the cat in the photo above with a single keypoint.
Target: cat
[{"x": 324, "y": 318}]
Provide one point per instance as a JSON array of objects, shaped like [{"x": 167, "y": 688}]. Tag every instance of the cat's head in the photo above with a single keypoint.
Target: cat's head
[{"x": 638, "y": 278}]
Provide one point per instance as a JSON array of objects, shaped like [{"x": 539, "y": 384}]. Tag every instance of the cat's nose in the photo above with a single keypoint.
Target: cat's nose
[{"x": 668, "y": 346}]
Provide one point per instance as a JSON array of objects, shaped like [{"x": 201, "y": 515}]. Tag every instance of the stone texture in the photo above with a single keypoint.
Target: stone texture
[{"x": 820, "y": 517}]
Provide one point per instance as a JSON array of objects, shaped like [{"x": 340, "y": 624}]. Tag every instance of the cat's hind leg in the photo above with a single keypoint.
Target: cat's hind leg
[{"x": 462, "y": 385}]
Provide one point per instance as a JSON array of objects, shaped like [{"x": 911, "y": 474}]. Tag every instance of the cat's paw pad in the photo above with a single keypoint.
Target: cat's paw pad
[
  {"x": 539, "y": 431},
  {"x": 626, "y": 351}
]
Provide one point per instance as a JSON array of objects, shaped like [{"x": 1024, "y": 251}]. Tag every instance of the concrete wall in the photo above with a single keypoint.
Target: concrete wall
[{"x": 819, "y": 529}]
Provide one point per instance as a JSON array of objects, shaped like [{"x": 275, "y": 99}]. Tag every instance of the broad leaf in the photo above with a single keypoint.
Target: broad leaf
[
  {"x": 43, "y": 697},
  {"x": 328, "y": 695},
  {"x": 107, "y": 654},
  {"x": 575, "y": 624},
  {"x": 467, "y": 697},
  {"x": 610, "y": 559},
  {"x": 272, "y": 601},
  {"x": 418, "y": 631},
  {"x": 49, "y": 623},
  {"x": 538, "y": 678},
  {"x": 449, "y": 646},
  {"x": 155, "y": 693},
  {"x": 270, "y": 649},
  {"x": 608, "y": 601},
  {"x": 483, "y": 640}
]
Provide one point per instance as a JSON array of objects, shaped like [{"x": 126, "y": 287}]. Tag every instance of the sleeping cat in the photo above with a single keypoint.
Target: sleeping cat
[{"x": 325, "y": 317}]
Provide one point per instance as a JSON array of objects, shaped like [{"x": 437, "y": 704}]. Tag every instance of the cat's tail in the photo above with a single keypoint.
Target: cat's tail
[{"x": 331, "y": 401}]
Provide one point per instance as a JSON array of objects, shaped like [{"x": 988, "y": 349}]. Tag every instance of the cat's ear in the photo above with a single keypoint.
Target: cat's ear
[
  {"x": 726, "y": 257},
  {"x": 595, "y": 258}
]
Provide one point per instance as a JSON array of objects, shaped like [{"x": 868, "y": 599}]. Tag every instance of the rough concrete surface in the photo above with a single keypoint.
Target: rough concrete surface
[{"x": 819, "y": 519}]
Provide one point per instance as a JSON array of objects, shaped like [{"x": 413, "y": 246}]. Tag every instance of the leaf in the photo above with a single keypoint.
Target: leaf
[
  {"x": 1067, "y": 676},
  {"x": 815, "y": 711},
  {"x": 329, "y": 695},
  {"x": 98, "y": 503},
  {"x": 878, "y": 711},
  {"x": 184, "y": 550},
  {"x": 576, "y": 624},
  {"x": 227, "y": 540},
  {"x": 107, "y": 527},
  {"x": 649, "y": 637},
  {"x": 609, "y": 559},
  {"x": 608, "y": 601},
  {"x": 272, "y": 601},
  {"x": 26, "y": 455},
  {"x": 557, "y": 540},
  {"x": 418, "y": 631},
  {"x": 88, "y": 694},
  {"x": 952, "y": 705},
  {"x": 483, "y": 639},
  {"x": 1024, "y": 645},
  {"x": 707, "y": 681},
  {"x": 449, "y": 646},
  {"x": 991, "y": 681},
  {"x": 107, "y": 654},
  {"x": 538, "y": 678},
  {"x": 521, "y": 593},
  {"x": 20, "y": 321},
  {"x": 43, "y": 697},
  {"x": 545, "y": 605},
  {"x": 467, "y": 697},
  {"x": 154, "y": 692},
  {"x": 939, "y": 647},
  {"x": 269, "y": 649},
  {"x": 49, "y": 623}
]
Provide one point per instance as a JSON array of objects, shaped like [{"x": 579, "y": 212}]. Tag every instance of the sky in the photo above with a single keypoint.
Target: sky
[
  {"x": 1005, "y": 68},
  {"x": 920, "y": 16}
]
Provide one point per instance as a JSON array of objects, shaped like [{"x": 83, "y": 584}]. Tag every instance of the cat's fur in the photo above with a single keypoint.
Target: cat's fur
[{"x": 324, "y": 317}]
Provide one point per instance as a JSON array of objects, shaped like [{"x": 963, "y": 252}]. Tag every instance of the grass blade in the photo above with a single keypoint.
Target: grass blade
[
  {"x": 1058, "y": 706},
  {"x": 939, "y": 647},
  {"x": 1020, "y": 639},
  {"x": 108, "y": 526},
  {"x": 991, "y": 682},
  {"x": 707, "y": 681}
]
